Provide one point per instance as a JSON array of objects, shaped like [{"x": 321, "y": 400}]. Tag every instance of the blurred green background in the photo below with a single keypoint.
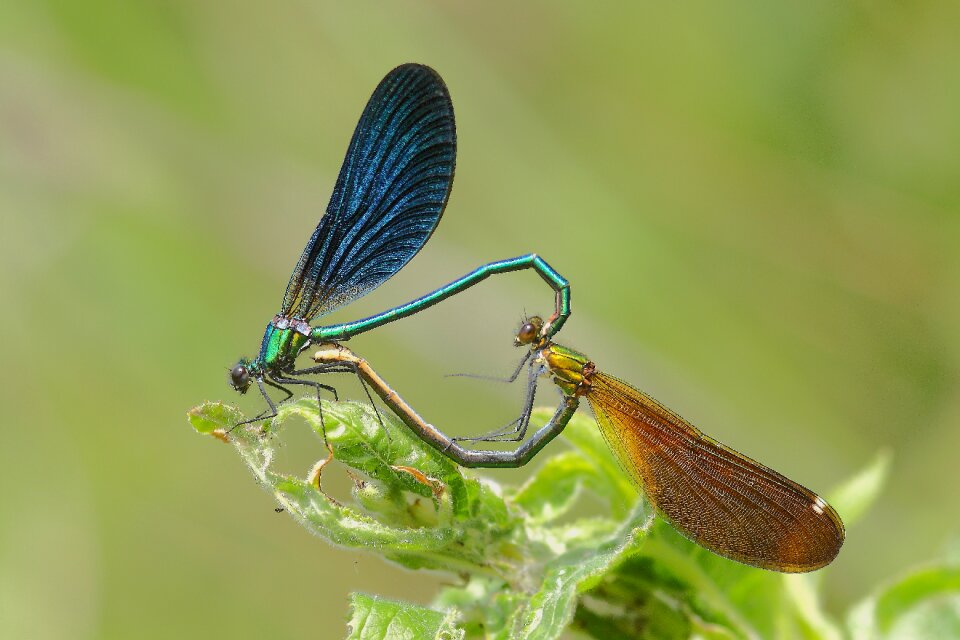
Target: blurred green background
[{"x": 756, "y": 205}]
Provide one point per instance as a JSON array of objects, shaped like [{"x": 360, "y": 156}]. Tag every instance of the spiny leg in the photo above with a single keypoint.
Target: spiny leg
[
  {"x": 269, "y": 413},
  {"x": 318, "y": 386},
  {"x": 276, "y": 386},
  {"x": 314, "y": 475},
  {"x": 324, "y": 368},
  {"x": 366, "y": 390},
  {"x": 509, "y": 379},
  {"x": 349, "y": 367},
  {"x": 515, "y": 430},
  {"x": 339, "y": 367},
  {"x": 342, "y": 367}
]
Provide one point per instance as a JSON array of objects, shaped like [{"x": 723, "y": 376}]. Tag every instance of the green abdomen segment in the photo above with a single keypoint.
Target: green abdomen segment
[{"x": 531, "y": 261}]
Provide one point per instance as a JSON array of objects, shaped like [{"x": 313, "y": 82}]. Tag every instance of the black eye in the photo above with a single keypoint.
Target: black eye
[{"x": 240, "y": 377}]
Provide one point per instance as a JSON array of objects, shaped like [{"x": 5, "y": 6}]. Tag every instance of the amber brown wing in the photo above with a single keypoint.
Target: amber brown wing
[{"x": 720, "y": 499}]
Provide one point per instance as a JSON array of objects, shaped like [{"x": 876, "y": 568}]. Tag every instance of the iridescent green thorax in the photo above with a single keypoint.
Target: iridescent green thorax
[
  {"x": 572, "y": 371},
  {"x": 283, "y": 340}
]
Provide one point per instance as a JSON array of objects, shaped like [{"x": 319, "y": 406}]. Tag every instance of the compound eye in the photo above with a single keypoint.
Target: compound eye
[
  {"x": 240, "y": 377},
  {"x": 528, "y": 333}
]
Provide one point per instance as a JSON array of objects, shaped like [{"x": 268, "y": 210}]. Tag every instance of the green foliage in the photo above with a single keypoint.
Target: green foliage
[
  {"x": 923, "y": 604},
  {"x": 529, "y": 568},
  {"x": 378, "y": 619}
]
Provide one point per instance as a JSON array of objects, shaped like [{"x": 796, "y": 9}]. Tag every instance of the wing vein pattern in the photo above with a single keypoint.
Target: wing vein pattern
[
  {"x": 715, "y": 496},
  {"x": 388, "y": 199}
]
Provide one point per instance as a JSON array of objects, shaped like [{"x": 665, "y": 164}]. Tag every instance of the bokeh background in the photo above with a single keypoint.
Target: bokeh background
[{"x": 756, "y": 205}]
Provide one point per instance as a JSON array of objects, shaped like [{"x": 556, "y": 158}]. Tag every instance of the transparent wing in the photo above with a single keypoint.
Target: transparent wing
[
  {"x": 389, "y": 196},
  {"x": 715, "y": 496}
]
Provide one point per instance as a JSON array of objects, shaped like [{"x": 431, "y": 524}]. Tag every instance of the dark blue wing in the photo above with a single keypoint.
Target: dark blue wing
[{"x": 392, "y": 188}]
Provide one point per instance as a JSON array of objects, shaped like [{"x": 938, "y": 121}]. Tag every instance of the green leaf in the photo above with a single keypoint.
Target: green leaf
[
  {"x": 374, "y": 618},
  {"x": 855, "y": 496},
  {"x": 488, "y": 606},
  {"x": 464, "y": 508},
  {"x": 530, "y": 566},
  {"x": 554, "y": 489},
  {"x": 552, "y": 606},
  {"x": 802, "y": 591},
  {"x": 213, "y": 416},
  {"x": 924, "y": 604},
  {"x": 605, "y": 477},
  {"x": 722, "y": 596}
]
